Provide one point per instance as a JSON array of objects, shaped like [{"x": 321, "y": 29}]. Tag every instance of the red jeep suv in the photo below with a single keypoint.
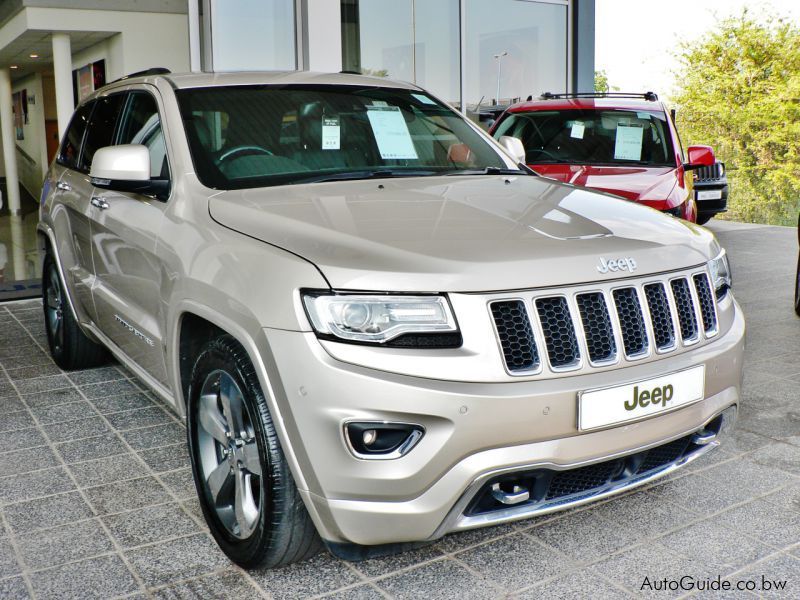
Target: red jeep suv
[{"x": 623, "y": 144}]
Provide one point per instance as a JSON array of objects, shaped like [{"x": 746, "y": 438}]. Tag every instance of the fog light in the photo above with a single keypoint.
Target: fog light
[
  {"x": 379, "y": 440},
  {"x": 370, "y": 435}
]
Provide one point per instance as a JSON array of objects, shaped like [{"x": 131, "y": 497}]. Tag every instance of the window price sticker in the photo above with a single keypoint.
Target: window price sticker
[
  {"x": 331, "y": 136},
  {"x": 628, "y": 145},
  {"x": 391, "y": 132}
]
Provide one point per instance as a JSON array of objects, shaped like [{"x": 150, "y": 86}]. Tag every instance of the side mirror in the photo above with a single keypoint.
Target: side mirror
[
  {"x": 699, "y": 156},
  {"x": 514, "y": 147},
  {"x": 126, "y": 168}
]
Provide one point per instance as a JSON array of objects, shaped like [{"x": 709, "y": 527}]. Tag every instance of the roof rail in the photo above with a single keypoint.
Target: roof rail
[
  {"x": 152, "y": 71},
  {"x": 649, "y": 96}
]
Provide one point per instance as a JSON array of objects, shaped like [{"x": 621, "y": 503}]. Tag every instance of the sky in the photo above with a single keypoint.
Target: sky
[{"x": 636, "y": 39}]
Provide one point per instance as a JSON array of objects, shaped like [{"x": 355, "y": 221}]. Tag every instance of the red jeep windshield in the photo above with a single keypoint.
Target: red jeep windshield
[{"x": 595, "y": 137}]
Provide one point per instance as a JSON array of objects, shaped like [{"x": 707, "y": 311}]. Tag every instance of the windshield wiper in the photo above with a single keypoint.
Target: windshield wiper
[
  {"x": 522, "y": 170},
  {"x": 373, "y": 174}
]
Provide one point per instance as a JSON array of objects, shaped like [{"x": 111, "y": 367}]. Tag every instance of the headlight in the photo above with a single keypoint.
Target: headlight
[
  {"x": 720, "y": 274},
  {"x": 402, "y": 320}
]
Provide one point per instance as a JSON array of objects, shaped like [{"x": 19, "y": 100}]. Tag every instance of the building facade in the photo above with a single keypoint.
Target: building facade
[{"x": 470, "y": 53}]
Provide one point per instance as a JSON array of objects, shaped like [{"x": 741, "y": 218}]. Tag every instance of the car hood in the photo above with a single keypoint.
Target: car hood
[
  {"x": 459, "y": 233},
  {"x": 631, "y": 183}
]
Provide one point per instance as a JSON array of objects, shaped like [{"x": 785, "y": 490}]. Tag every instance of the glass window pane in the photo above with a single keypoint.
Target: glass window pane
[
  {"x": 276, "y": 135},
  {"x": 141, "y": 125},
  {"x": 386, "y": 39},
  {"x": 253, "y": 35},
  {"x": 71, "y": 147},
  {"x": 437, "y": 48},
  {"x": 101, "y": 127},
  {"x": 534, "y": 36}
]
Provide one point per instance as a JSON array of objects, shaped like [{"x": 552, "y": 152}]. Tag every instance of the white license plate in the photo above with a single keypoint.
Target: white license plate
[
  {"x": 634, "y": 401},
  {"x": 709, "y": 195}
]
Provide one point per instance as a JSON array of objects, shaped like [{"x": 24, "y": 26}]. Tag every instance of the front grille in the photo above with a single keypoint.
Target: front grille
[
  {"x": 707, "y": 311},
  {"x": 597, "y": 327},
  {"x": 559, "y": 332},
  {"x": 665, "y": 313},
  {"x": 516, "y": 337},
  {"x": 685, "y": 306},
  {"x": 631, "y": 321},
  {"x": 712, "y": 173}
]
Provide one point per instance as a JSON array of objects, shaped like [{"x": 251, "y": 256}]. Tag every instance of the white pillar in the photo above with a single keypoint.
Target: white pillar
[
  {"x": 9, "y": 142},
  {"x": 62, "y": 72}
]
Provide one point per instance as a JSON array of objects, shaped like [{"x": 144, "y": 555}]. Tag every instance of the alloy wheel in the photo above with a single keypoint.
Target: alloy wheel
[
  {"x": 55, "y": 310},
  {"x": 229, "y": 460}
]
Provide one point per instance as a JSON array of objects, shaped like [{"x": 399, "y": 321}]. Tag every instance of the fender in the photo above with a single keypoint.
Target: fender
[{"x": 257, "y": 353}]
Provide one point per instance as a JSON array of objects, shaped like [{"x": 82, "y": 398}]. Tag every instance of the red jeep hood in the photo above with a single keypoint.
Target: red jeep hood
[{"x": 633, "y": 183}]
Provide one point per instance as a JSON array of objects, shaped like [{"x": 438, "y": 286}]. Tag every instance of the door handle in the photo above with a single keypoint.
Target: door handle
[
  {"x": 99, "y": 202},
  {"x": 64, "y": 187}
]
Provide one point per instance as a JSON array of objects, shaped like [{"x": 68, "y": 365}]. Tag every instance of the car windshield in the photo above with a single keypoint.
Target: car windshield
[
  {"x": 596, "y": 137},
  {"x": 256, "y": 136}
]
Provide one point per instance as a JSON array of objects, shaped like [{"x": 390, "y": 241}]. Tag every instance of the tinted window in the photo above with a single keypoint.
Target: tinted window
[
  {"x": 142, "y": 125},
  {"x": 253, "y": 136},
  {"x": 598, "y": 137},
  {"x": 101, "y": 127},
  {"x": 71, "y": 146}
]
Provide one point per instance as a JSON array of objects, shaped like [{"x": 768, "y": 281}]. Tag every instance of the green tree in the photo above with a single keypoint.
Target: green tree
[
  {"x": 601, "y": 81},
  {"x": 740, "y": 93}
]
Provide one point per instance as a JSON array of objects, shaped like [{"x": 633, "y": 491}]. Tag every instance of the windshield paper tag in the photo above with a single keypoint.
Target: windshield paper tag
[
  {"x": 330, "y": 133},
  {"x": 643, "y": 115},
  {"x": 424, "y": 99},
  {"x": 391, "y": 132},
  {"x": 629, "y": 143},
  {"x": 577, "y": 131}
]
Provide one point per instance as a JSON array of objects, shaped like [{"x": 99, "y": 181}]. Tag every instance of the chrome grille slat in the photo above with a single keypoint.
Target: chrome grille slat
[
  {"x": 631, "y": 322},
  {"x": 517, "y": 342},
  {"x": 705, "y": 299},
  {"x": 660, "y": 316},
  {"x": 551, "y": 331},
  {"x": 597, "y": 327},
  {"x": 685, "y": 305},
  {"x": 558, "y": 329}
]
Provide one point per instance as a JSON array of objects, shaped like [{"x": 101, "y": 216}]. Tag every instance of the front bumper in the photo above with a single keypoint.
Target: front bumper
[{"x": 473, "y": 431}]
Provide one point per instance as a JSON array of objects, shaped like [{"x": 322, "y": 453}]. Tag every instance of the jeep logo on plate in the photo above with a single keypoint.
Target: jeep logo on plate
[
  {"x": 656, "y": 396},
  {"x": 617, "y": 264}
]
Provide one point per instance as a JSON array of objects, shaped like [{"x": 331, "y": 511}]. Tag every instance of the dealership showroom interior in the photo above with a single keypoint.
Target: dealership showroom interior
[{"x": 399, "y": 299}]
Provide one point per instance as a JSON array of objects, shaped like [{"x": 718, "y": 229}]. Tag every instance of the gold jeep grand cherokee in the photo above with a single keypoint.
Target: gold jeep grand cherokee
[{"x": 379, "y": 325}]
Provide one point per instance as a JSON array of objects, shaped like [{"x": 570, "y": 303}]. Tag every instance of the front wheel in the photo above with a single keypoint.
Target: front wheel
[{"x": 247, "y": 493}]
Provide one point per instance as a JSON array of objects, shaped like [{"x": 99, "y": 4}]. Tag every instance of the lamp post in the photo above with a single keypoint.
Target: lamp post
[{"x": 499, "y": 58}]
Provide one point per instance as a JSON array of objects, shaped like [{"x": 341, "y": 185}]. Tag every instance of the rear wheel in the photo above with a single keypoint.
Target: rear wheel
[
  {"x": 246, "y": 491},
  {"x": 69, "y": 346}
]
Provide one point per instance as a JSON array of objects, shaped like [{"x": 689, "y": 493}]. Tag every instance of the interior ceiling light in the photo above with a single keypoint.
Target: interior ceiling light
[
  {"x": 13, "y": 67},
  {"x": 34, "y": 56}
]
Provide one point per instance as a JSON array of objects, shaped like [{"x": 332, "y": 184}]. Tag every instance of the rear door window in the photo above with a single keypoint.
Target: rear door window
[
  {"x": 101, "y": 127},
  {"x": 70, "y": 150}
]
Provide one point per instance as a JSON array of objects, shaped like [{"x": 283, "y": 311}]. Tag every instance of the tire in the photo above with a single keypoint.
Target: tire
[
  {"x": 797, "y": 289},
  {"x": 703, "y": 219},
  {"x": 247, "y": 493},
  {"x": 69, "y": 346}
]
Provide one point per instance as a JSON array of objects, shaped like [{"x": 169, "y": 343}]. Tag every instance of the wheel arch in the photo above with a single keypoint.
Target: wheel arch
[{"x": 194, "y": 324}]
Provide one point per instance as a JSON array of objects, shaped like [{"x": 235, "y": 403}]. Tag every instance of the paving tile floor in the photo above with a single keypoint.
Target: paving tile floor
[{"x": 97, "y": 499}]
